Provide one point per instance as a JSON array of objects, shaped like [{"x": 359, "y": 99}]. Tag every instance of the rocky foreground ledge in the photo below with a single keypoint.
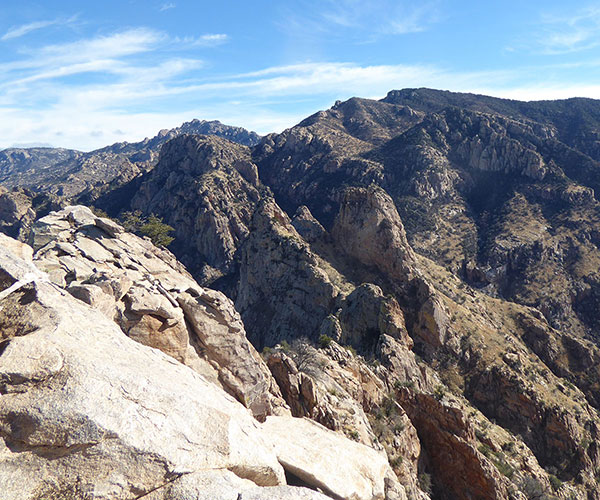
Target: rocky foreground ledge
[{"x": 88, "y": 411}]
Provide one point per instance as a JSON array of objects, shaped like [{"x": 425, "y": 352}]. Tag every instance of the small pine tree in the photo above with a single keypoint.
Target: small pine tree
[
  {"x": 157, "y": 231},
  {"x": 151, "y": 226}
]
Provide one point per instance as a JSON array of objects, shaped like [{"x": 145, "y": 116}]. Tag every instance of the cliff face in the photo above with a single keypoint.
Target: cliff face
[
  {"x": 207, "y": 189},
  {"x": 419, "y": 273}
]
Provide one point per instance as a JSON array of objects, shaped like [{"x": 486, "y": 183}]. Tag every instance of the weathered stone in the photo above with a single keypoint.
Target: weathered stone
[
  {"x": 220, "y": 332},
  {"x": 367, "y": 314},
  {"x": 224, "y": 485},
  {"x": 81, "y": 404},
  {"x": 285, "y": 290},
  {"x": 16, "y": 213},
  {"x": 324, "y": 459},
  {"x": 156, "y": 302},
  {"x": 21, "y": 250},
  {"x": 307, "y": 226},
  {"x": 218, "y": 180},
  {"x": 369, "y": 229}
]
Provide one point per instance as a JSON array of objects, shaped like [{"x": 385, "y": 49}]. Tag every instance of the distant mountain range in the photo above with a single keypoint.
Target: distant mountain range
[{"x": 70, "y": 174}]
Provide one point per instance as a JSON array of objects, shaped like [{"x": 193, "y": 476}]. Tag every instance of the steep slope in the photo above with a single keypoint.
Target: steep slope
[
  {"x": 502, "y": 201},
  {"x": 86, "y": 412},
  {"x": 207, "y": 189}
]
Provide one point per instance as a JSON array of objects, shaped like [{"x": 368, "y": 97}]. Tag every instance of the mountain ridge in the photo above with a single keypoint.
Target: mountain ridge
[{"x": 420, "y": 276}]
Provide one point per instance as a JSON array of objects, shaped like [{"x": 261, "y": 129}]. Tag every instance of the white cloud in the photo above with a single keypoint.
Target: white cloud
[
  {"x": 124, "y": 43},
  {"x": 135, "y": 82},
  {"x": 568, "y": 33},
  {"x": 167, "y": 6},
  {"x": 212, "y": 39},
  {"x": 24, "y": 29},
  {"x": 18, "y": 31},
  {"x": 86, "y": 116},
  {"x": 365, "y": 19},
  {"x": 102, "y": 54},
  {"x": 206, "y": 40}
]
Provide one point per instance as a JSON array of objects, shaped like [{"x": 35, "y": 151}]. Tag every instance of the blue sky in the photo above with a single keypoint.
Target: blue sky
[{"x": 86, "y": 74}]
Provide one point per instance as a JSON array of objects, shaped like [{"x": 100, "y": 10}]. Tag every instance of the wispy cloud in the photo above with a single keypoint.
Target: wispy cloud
[
  {"x": 24, "y": 29},
  {"x": 85, "y": 53},
  {"x": 74, "y": 114},
  {"x": 206, "y": 40},
  {"x": 212, "y": 39},
  {"x": 572, "y": 32},
  {"x": 383, "y": 16},
  {"x": 129, "y": 84},
  {"x": 167, "y": 6},
  {"x": 365, "y": 20}
]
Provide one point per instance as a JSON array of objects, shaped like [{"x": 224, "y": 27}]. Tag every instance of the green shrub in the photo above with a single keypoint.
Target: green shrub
[
  {"x": 504, "y": 468},
  {"x": 409, "y": 384},
  {"x": 555, "y": 482},
  {"x": 153, "y": 227},
  {"x": 509, "y": 447},
  {"x": 425, "y": 483},
  {"x": 98, "y": 212},
  {"x": 325, "y": 341},
  {"x": 399, "y": 427},
  {"x": 485, "y": 450},
  {"x": 354, "y": 435}
]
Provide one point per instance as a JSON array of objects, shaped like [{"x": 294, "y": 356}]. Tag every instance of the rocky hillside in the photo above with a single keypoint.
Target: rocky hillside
[
  {"x": 419, "y": 275},
  {"x": 60, "y": 176}
]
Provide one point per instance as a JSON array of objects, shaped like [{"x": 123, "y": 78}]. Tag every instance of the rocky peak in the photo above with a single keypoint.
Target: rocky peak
[
  {"x": 461, "y": 226},
  {"x": 284, "y": 287},
  {"x": 369, "y": 229},
  {"x": 218, "y": 182}
]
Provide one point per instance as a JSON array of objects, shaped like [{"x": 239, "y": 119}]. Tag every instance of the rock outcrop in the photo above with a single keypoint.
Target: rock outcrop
[
  {"x": 107, "y": 176},
  {"x": 285, "y": 290},
  {"x": 154, "y": 300},
  {"x": 16, "y": 213},
  {"x": 419, "y": 273},
  {"x": 206, "y": 188},
  {"x": 369, "y": 229},
  {"x": 86, "y": 411},
  {"x": 324, "y": 459}
]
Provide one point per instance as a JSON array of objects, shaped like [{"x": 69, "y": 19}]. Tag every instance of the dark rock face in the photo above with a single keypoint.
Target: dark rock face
[
  {"x": 495, "y": 184},
  {"x": 207, "y": 189},
  {"x": 16, "y": 214},
  {"x": 285, "y": 290}
]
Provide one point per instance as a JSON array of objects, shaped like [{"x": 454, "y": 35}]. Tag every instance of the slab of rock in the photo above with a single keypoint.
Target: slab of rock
[
  {"x": 84, "y": 410},
  {"x": 156, "y": 302},
  {"x": 220, "y": 331},
  {"x": 21, "y": 250},
  {"x": 224, "y": 485},
  {"x": 327, "y": 460},
  {"x": 369, "y": 229},
  {"x": 367, "y": 313}
]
